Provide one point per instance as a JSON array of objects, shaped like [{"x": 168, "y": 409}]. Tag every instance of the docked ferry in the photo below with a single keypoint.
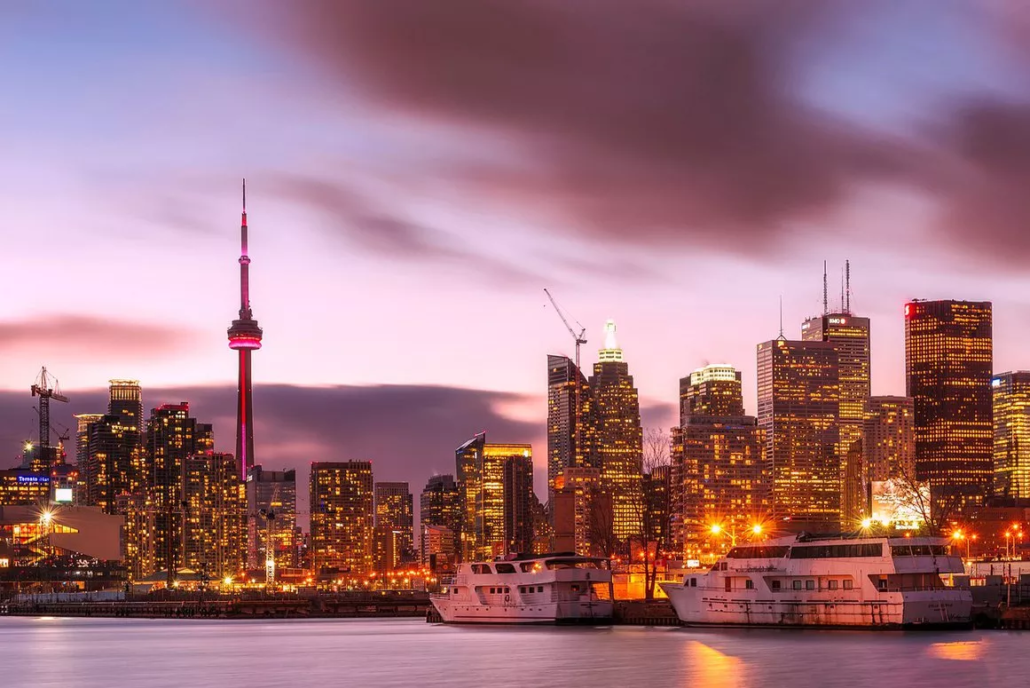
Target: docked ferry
[
  {"x": 526, "y": 589},
  {"x": 824, "y": 581}
]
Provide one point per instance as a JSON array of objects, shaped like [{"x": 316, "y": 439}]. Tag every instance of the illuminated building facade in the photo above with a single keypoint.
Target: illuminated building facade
[
  {"x": 849, "y": 335},
  {"x": 713, "y": 391},
  {"x": 657, "y": 488},
  {"x": 126, "y": 403},
  {"x": 798, "y": 402},
  {"x": 272, "y": 493},
  {"x": 213, "y": 515},
  {"x": 439, "y": 549},
  {"x": 20, "y": 487},
  {"x": 518, "y": 502},
  {"x": 1011, "y": 394},
  {"x": 618, "y": 439},
  {"x": 570, "y": 427},
  {"x": 172, "y": 436},
  {"x": 342, "y": 516},
  {"x": 889, "y": 439},
  {"x": 580, "y": 510},
  {"x": 480, "y": 472},
  {"x": 720, "y": 473},
  {"x": 83, "y": 421},
  {"x": 948, "y": 367},
  {"x": 440, "y": 504},
  {"x": 244, "y": 337},
  {"x": 394, "y": 523}
]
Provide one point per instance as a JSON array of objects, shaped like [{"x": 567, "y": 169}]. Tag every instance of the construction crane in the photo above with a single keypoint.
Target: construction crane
[
  {"x": 578, "y": 338},
  {"x": 43, "y": 389}
]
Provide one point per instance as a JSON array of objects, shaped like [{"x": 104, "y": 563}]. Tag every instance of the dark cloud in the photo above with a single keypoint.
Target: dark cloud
[
  {"x": 100, "y": 338},
  {"x": 409, "y": 432},
  {"x": 666, "y": 122},
  {"x": 369, "y": 224}
]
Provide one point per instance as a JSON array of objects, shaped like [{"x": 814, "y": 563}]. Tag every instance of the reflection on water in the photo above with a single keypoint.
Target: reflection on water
[
  {"x": 713, "y": 668},
  {"x": 328, "y": 653},
  {"x": 965, "y": 650}
]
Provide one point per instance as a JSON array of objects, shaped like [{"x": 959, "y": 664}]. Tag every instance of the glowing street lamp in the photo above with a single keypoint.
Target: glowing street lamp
[{"x": 867, "y": 523}]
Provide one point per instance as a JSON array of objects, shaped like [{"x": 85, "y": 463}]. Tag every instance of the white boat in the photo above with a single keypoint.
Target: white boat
[
  {"x": 808, "y": 580},
  {"x": 527, "y": 589}
]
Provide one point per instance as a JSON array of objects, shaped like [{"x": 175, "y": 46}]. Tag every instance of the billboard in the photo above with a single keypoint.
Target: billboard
[
  {"x": 63, "y": 495},
  {"x": 899, "y": 503}
]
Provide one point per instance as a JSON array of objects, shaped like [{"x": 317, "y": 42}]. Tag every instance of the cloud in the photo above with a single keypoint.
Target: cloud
[
  {"x": 674, "y": 124},
  {"x": 99, "y": 338}
]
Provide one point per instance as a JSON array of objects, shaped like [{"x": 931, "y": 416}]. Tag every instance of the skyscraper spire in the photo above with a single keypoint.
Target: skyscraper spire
[
  {"x": 847, "y": 287},
  {"x": 611, "y": 350},
  {"x": 781, "y": 337},
  {"x": 826, "y": 300}
]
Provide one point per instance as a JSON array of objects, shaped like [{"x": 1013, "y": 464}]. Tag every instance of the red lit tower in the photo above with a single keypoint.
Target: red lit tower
[{"x": 244, "y": 337}]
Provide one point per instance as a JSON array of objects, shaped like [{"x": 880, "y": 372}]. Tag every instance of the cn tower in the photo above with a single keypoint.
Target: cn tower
[{"x": 244, "y": 337}]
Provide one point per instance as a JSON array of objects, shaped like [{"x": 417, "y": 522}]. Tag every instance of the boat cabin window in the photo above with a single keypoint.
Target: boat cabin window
[
  {"x": 868, "y": 549},
  {"x": 505, "y": 568},
  {"x": 539, "y": 588},
  {"x": 749, "y": 584},
  {"x": 481, "y": 568},
  {"x": 918, "y": 550},
  {"x": 764, "y": 552},
  {"x": 810, "y": 585},
  {"x": 832, "y": 584},
  {"x": 776, "y": 585},
  {"x": 529, "y": 566},
  {"x": 693, "y": 582},
  {"x": 848, "y": 585},
  {"x": 556, "y": 564},
  {"x": 797, "y": 585}
]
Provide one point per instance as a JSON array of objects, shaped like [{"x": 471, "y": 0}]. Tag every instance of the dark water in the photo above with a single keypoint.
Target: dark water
[{"x": 88, "y": 653}]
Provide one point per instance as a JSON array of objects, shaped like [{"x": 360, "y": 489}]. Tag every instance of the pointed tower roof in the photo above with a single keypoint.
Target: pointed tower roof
[{"x": 611, "y": 350}]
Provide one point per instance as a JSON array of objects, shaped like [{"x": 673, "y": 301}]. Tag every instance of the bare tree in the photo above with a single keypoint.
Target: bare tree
[
  {"x": 652, "y": 505},
  {"x": 935, "y": 505},
  {"x": 601, "y": 530}
]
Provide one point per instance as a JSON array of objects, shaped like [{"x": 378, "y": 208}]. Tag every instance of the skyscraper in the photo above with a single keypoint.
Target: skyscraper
[
  {"x": 618, "y": 443},
  {"x": 440, "y": 503},
  {"x": 581, "y": 512},
  {"x": 798, "y": 403},
  {"x": 394, "y": 523},
  {"x": 342, "y": 516},
  {"x": 712, "y": 391},
  {"x": 849, "y": 335},
  {"x": 172, "y": 436},
  {"x": 113, "y": 449},
  {"x": 481, "y": 471},
  {"x": 720, "y": 472},
  {"x": 1011, "y": 393},
  {"x": 126, "y": 404},
  {"x": 888, "y": 439},
  {"x": 213, "y": 515},
  {"x": 948, "y": 362},
  {"x": 570, "y": 427},
  {"x": 518, "y": 502},
  {"x": 244, "y": 337},
  {"x": 271, "y": 513}
]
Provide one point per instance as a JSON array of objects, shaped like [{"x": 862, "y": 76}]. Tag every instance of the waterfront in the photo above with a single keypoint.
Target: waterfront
[{"x": 90, "y": 653}]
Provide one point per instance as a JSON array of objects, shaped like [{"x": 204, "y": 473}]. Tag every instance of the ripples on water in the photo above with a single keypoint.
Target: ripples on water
[{"x": 112, "y": 653}]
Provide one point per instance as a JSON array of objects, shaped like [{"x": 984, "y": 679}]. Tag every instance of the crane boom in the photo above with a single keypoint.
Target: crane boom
[{"x": 578, "y": 337}]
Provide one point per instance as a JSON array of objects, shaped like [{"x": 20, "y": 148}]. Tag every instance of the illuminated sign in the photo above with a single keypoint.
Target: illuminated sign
[
  {"x": 693, "y": 563},
  {"x": 33, "y": 479},
  {"x": 838, "y": 321},
  {"x": 63, "y": 494},
  {"x": 899, "y": 503},
  {"x": 996, "y": 382}
]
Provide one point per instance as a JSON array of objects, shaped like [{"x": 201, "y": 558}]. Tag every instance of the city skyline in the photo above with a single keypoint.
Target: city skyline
[{"x": 358, "y": 229}]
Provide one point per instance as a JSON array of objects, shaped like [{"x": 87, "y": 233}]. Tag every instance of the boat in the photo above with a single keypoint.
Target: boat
[
  {"x": 828, "y": 581},
  {"x": 556, "y": 588}
]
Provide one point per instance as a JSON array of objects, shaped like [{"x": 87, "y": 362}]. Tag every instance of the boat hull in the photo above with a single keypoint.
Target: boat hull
[
  {"x": 920, "y": 609},
  {"x": 457, "y": 612}
]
